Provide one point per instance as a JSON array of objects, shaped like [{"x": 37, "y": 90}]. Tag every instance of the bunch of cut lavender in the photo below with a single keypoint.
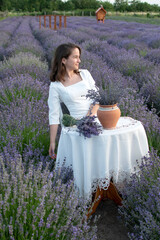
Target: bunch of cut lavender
[{"x": 87, "y": 126}]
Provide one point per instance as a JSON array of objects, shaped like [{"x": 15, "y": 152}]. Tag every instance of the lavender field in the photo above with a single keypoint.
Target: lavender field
[{"x": 35, "y": 202}]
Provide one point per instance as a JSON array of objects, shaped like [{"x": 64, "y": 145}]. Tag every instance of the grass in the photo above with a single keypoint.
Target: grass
[
  {"x": 2, "y": 18},
  {"x": 145, "y": 20}
]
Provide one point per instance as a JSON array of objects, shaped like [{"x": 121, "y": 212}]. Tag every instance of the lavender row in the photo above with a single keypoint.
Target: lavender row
[
  {"x": 142, "y": 33},
  {"x": 26, "y": 53},
  {"x": 7, "y": 29},
  {"x": 141, "y": 38},
  {"x": 21, "y": 42},
  {"x": 124, "y": 61},
  {"x": 140, "y": 48},
  {"x": 23, "y": 63}
]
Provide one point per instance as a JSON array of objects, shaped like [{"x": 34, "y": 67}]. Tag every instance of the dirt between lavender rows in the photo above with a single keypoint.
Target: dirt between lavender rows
[{"x": 109, "y": 226}]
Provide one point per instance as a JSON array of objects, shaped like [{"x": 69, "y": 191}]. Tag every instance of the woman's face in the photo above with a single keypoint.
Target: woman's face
[{"x": 72, "y": 62}]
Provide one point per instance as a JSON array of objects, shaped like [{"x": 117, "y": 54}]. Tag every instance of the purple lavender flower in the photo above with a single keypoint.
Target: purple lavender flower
[
  {"x": 87, "y": 126},
  {"x": 141, "y": 203},
  {"x": 32, "y": 206}
]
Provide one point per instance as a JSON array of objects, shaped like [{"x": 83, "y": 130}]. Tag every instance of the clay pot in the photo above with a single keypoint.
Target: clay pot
[{"x": 108, "y": 115}]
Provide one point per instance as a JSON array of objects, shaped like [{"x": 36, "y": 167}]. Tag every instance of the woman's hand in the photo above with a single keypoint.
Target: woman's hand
[{"x": 51, "y": 150}]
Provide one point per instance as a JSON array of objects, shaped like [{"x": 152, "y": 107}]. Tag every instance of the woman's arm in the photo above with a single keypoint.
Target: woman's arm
[
  {"x": 53, "y": 134},
  {"x": 93, "y": 110},
  {"x": 54, "y": 116}
]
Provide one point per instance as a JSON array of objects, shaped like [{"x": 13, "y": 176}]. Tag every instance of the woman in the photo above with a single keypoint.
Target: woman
[{"x": 69, "y": 85}]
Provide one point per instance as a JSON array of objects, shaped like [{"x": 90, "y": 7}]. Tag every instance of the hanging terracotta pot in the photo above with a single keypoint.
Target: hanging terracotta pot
[{"x": 108, "y": 115}]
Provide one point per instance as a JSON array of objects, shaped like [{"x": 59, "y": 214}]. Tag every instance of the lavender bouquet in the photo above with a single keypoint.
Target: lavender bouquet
[{"x": 86, "y": 126}]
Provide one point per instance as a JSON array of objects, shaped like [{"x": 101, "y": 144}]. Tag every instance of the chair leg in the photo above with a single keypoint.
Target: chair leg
[
  {"x": 96, "y": 201},
  {"x": 110, "y": 193}
]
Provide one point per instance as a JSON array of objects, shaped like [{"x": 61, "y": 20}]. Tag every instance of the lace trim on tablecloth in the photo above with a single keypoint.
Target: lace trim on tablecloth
[
  {"x": 131, "y": 122},
  {"x": 119, "y": 179},
  {"x": 102, "y": 183}
]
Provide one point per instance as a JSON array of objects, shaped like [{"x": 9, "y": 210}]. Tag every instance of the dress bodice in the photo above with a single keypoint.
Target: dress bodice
[{"x": 73, "y": 96}]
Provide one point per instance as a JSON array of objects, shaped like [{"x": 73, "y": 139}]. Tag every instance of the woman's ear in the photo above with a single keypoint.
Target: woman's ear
[{"x": 63, "y": 60}]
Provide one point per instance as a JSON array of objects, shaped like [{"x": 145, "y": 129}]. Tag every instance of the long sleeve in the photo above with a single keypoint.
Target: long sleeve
[{"x": 55, "y": 112}]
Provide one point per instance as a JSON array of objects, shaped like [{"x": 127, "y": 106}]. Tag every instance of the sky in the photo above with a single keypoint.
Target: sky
[{"x": 148, "y": 1}]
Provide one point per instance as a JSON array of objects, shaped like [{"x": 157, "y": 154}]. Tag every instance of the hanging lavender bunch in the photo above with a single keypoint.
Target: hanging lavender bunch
[{"x": 87, "y": 126}]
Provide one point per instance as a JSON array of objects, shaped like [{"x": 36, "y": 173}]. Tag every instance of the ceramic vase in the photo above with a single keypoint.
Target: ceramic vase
[{"x": 108, "y": 115}]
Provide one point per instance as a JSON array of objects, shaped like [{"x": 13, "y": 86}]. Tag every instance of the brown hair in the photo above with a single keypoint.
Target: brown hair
[{"x": 58, "y": 69}]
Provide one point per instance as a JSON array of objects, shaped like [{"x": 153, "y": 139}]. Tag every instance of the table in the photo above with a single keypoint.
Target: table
[{"x": 114, "y": 153}]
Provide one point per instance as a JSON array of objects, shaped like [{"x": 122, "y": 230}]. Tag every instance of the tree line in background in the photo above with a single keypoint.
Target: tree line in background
[{"x": 71, "y": 5}]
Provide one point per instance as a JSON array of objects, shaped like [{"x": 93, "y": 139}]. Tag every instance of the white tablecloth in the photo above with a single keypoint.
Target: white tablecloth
[{"x": 114, "y": 153}]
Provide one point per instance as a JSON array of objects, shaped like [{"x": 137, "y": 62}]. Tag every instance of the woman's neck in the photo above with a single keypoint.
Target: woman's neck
[{"x": 69, "y": 74}]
